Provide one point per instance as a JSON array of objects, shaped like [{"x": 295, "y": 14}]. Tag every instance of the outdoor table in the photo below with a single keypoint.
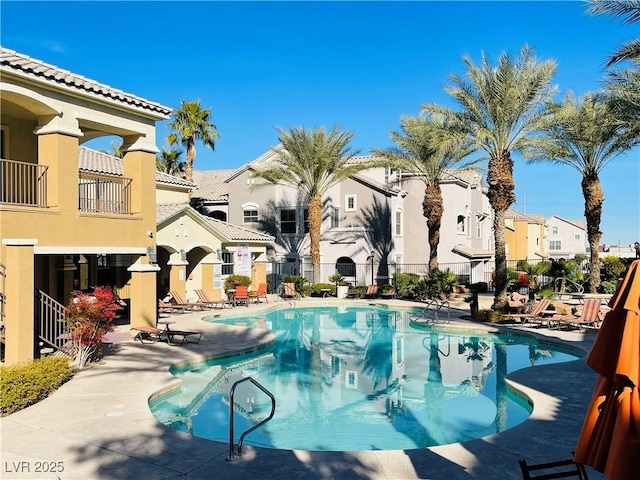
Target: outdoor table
[
  {"x": 325, "y": 292},
  {"x": 166, "y": 324}
]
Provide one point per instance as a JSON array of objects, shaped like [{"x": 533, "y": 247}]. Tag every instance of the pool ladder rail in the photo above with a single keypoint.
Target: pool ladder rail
[
  {"x": 432, "y": 311},
  {"x": 233, "y": 451}
]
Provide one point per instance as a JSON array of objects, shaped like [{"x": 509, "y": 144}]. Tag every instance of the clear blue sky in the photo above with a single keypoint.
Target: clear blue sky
[{"x": 360, "y": 65}]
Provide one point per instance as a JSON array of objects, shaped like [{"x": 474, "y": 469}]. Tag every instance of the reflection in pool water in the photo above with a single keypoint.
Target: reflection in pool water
[{"x": 357, "y": 378}]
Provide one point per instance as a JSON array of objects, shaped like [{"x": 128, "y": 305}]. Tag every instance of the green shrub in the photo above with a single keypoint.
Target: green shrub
[
  {"x": 406, "y": 284},
  {"x": 439, "y": 283},
  {"x": 609, "y": 287},
  {"x": 25, "y": 384},
  {"x": 492, "y": 316},
  {"x": 316, "y": 289},
  {"x": 612, "y": 268},
  {"x": 233, "y": 280}
]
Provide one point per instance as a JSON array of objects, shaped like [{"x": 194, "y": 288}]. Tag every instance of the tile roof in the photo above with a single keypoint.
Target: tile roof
[
  {"x": 515, "y": 215},
  {"x": 211, "y": 184},
  {"x": 576, "y": 223},
  {"x": 90, "y": 160},
  {"x": 232, "y": 233},
  {"x": 31, "y": 67}
]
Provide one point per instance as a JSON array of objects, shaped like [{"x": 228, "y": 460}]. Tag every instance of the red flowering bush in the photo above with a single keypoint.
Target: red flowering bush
[{"x": 89, "y": 318}]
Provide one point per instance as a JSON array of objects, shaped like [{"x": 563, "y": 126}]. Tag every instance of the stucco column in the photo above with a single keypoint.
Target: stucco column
[
  {"x": 65, "y": 268},
  {"x": 143, "y": 310},
  {"x": 178, "y": 274},
  {"x": 20, "y": 341},
  {"x": 58, "y": 149}
]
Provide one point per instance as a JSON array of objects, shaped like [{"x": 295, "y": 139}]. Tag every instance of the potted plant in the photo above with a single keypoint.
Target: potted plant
[{"x": 341, "y": 286}]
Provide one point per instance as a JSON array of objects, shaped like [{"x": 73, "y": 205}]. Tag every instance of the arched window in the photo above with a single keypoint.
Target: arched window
[
  {"x": 346, "y": 267},
  {"x": 250, "y": 213}
]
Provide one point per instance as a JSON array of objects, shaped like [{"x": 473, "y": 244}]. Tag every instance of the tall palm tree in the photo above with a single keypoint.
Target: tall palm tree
[
  {"x": 623, "y": 89},
  {"x": 312, "y": 161},
  {"x": 588, "y": 135},
  {"x": 191, "y": 123},
  {"x": 501, "y": 109},
  {"x": 421, "y": 150},
  {"x": 168, "y": 161},
  {"x": 630, "y": 11}
]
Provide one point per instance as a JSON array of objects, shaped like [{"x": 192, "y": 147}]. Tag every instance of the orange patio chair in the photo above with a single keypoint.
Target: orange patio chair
[
  {"x": 241, "y": 295},
  {"x": 260, "y": 293},
  {"x": 372, "y": 291}
]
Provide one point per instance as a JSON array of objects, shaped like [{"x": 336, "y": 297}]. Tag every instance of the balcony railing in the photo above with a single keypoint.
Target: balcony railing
[
  {"x": 23, "y": 183},
  {"x": 104, "y": 194}
]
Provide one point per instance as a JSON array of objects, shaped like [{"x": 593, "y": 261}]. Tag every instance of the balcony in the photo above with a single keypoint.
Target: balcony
[
  {"x": 104, "y": 194},
  {"x": 23, "y": 183}
]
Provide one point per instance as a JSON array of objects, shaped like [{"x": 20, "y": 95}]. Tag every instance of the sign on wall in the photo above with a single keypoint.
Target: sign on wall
[
  {"x": 217, "y": 275},
  {"x": 243, "y": 261}
]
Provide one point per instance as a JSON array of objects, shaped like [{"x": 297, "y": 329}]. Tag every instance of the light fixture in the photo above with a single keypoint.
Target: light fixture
[
  {"x": 183, "y": 255},
  {"x": 152, "y": 254}
]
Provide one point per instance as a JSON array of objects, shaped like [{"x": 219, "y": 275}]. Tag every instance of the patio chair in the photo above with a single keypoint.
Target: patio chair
[
  {"x": 536, "y": 315},
  {"x": 372, "y": 291},
  {"x": 241, "y": 295},
  {"x": 178, "y": 301},
  {"x": 206, "y": 301},
  {"x": 260, "y": 293},
  {"x": 171, "y": 308},
  {"x": 389, "y": 293},
  {"x": 353, "y": 292},
  {"x": 289, "y": 291},
  {"x": 589, "y": 316},
  {"x": 153, "y": 335},
  {"x": 559, "y": 469}
]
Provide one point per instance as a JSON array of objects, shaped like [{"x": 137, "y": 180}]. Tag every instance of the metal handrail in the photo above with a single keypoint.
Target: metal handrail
[{"x": 238, "y": 451}]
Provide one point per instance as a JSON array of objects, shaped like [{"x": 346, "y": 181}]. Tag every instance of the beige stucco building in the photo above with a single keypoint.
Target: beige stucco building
[{"x": 60, "y": 225}]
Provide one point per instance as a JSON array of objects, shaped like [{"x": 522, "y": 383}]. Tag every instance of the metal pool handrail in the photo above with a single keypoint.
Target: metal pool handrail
[{"x": 232, "y": 454}]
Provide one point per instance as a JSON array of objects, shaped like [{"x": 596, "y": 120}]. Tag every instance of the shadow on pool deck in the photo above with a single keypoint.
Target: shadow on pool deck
[{"x": 99, "y": 426}]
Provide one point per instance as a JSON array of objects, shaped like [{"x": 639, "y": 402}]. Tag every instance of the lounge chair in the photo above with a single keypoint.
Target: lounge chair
[
  {"x": 241, "y": 295},
  {"x": 536, "y": 315},
  {"x": 206, "y": 301},
  {"x": 589, "y": 316},
  {"x": 178, "y": 301},
  {"x": 260, "y": 293},
  {"x": 389, "y": 293},
  {"x": 152, "y": 335},
  {"x": 289, "y": 291},
  {"x": 372, "y": 291},
  {"x": 560, "y": 469},
  {"x": 170, "y": 308}
]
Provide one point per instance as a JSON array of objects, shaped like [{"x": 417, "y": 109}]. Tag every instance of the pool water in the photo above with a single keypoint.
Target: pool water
[{"x": 357, "y": 378}]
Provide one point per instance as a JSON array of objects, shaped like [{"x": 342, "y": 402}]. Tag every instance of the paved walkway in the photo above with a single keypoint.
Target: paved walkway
[{"x": 99, "y": 426}]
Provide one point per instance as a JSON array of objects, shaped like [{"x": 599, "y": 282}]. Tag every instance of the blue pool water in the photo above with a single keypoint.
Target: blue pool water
[{"x": 357, "y": 378}]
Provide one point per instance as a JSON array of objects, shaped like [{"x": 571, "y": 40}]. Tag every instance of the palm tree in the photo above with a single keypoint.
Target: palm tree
[
  {"x": 623, "y": 89},
  {"x": 191, "y": 123},
  {"x": 312, "y": 161},
  {"x": 501, "y": 109},
  {"x": 421, "y": 150},
  {"x": 630, "y": 11},
  {"x": 588, "y": 135},
  {"x": 168, "y": 161}
]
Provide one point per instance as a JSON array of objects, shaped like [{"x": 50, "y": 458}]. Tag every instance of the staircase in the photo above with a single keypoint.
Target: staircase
[{"x": 52, "y": 333}]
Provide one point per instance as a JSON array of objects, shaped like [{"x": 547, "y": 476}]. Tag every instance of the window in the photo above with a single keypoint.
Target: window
[
  {"x": 461, "y": 224},
  {"x": 398, "y": 223},
  {"x": 351, "y": 204},
  {"x": 554, "y": 230},
  {"x": 306, "y": 220},
  {"x": 555, "y": 245},
  {"x": 577, "y": 236},
  {"x": 479, "y": 226},
  {"x": 399, "y": 263},
  {"x": 335, "y": 217},
  {"x": 250, "y": 213},
  {"x": 288, "y": 220},
  {"x": 351, "y": 379},
  {"x": 227, "y": 263}
]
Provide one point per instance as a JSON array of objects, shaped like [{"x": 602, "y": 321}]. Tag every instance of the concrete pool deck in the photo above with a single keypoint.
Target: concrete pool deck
[{"x": 99, "y": 426}]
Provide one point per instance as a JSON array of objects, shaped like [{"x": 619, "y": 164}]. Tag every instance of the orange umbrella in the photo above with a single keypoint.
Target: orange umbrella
[{"x": 610, "y": 437}]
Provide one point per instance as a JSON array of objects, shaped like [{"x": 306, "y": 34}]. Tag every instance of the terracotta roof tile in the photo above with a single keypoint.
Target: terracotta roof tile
[
  {"x": 211, "y": 184},
  {"x": 17, "y": 62}
]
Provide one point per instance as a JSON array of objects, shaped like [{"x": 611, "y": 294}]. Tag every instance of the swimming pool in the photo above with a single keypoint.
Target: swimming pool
[{"x": 357, "y": 378}]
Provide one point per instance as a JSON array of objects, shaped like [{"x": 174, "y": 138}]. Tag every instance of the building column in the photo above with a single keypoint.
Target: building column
[
  {"x": 178, "y": 274},
  {"x": 20, "y": 340},
  {"x": 211, "y": 276},
  {"x": 143, "y": 310}
]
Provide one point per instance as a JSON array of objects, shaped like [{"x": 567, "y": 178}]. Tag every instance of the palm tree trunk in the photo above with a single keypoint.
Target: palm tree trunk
[
  {"x": 432, "y": 209},
  {"x": 191, "y": 155},
  {"x": 315, "y": 222},
  {"x": 593, "y": 200},
  {"x": 501, "y": 197}
]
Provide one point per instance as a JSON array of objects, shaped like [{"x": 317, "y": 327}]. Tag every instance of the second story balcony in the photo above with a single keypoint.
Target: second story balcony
[{"x": 25, "y": 184}]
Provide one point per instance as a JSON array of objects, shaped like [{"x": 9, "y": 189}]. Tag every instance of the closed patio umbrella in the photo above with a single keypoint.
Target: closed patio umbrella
[{"x": 610, "y": 437}]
